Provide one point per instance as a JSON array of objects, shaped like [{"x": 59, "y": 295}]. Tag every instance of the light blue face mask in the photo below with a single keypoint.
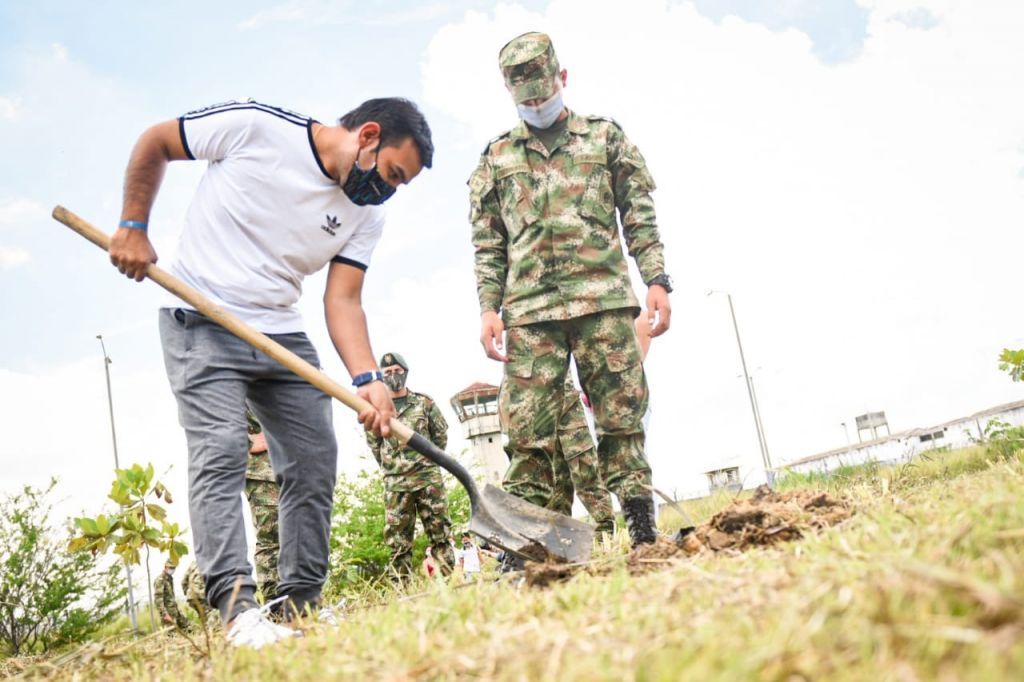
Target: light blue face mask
[{"x": 544, "y": 114}]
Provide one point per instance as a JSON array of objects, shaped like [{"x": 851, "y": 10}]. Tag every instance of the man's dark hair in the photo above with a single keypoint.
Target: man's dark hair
[{"x": 398, "y": 119}]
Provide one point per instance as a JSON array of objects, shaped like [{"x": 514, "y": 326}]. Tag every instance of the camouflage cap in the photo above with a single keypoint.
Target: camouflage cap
[
  {"x": 529, "y": 65},
  {"x": 389, "y": 359}
]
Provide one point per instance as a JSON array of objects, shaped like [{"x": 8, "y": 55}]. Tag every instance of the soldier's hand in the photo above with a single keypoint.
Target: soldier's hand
[
  {"x": 376, "y": 418},
  {"x": 658, "y": 305},
  {"x": 131, "y": 252},
  {"x": 257, "y": 443},
  {"x": 492, "y": 336}
]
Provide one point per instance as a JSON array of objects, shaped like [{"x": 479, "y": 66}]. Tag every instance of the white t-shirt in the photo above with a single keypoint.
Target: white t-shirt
[
  {"x": 265, "y": 215},
  {"x": 470, "y": 559}
]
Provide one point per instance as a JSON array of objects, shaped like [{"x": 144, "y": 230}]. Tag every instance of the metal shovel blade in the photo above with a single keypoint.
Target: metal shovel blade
[
  {"x": 529, "y": 531},
  {"x": 505, "y": 521}
]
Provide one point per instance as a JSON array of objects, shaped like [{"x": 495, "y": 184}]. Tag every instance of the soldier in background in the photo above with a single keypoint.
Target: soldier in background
[
  {"x": 166, "y": 601},
  {"x": 194, "y": 587},
  {"x": 263, "y": 492},
  {"x": 543, "y": 204},
  {"x": 412, "y": 483}
]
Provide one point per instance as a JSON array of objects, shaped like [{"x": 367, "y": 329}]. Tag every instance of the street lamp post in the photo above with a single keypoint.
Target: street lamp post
[
  {"x": 765, "y": 459},
  {"x": 117, "y": 465}
]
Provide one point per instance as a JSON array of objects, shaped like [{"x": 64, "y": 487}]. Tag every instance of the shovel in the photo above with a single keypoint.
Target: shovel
[{"x": 514, "y": 525}]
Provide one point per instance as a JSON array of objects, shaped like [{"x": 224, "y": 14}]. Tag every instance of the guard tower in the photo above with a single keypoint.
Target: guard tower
[
  {"x": 872, "y": 421},
  {"x": 477, "y": 410}
]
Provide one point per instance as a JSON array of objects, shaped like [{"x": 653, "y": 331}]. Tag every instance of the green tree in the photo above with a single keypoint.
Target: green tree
[
  {"x": 358, "y": 552},
  {"x": 1012, "y": 361},
  {"x": 128, "y": 531},
  {"x": 48, "y": 597}
]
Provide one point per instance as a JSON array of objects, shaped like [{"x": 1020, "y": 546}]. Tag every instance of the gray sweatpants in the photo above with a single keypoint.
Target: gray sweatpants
[{"x": 213, "y": 375}]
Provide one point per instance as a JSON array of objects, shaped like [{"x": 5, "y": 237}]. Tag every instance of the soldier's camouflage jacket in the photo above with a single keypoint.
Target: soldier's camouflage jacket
[
  {"x": 163, "y": 595},
  {"x": 544, "y": 225},
  {"x": 405, "y": 469}
]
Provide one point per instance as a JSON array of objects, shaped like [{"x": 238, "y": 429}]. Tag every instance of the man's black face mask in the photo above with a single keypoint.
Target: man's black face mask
[{"x": 367, "y": 187}]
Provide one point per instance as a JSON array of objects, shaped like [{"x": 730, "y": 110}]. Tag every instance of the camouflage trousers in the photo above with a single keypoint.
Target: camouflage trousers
[
  {"x": 574, "y": 468},
  {"x": 430, "y": 504},
  {"x": 263, "y": 500},
  {"x": 611, "y": 372}
]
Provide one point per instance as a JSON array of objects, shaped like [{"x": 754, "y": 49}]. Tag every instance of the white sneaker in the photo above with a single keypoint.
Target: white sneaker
[{"x": 253, "y": 629}]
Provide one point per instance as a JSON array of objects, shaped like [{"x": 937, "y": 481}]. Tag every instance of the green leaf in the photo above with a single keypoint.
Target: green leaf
[
  {"x": 156, "y": 512},
  {"x": 87, "y": 525},
  {"x": 78, "y": 544}
]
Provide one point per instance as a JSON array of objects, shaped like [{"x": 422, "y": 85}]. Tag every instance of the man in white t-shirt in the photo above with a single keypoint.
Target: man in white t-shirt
[
  {"x": 468, "y": 558},
  {"x": 282, "y": 196}
]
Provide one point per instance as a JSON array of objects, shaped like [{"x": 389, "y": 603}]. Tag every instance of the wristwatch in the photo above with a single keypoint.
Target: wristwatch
[
  {"x": 662, "y": 280},
  {"x": 366, "y": 377}
]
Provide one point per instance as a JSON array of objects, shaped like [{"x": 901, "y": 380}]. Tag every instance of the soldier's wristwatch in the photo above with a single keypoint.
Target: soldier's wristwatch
[{"x": 662, "y": 280}]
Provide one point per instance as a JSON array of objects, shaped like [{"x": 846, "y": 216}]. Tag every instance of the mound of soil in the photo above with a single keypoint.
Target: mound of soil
[
  {"x": 764, "y": 519},
  {"x": 769, "y": 517}
]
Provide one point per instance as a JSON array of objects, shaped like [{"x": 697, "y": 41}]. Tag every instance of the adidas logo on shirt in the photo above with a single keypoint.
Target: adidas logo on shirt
[{"x": 332, "y": 225}]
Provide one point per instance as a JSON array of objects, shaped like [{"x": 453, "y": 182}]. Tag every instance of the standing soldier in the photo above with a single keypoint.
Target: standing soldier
[
  {"x": 194, "y": 587},
  {"x": 574, "y": 467},
  {"x": 543, "y": 203},
  {"x": 166, "y": 602},
  {"x": 412, "y": 483},
  {"x": 262, "y": 491}
]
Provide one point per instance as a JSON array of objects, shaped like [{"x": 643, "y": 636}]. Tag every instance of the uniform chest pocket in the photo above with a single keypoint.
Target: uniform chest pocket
[
  {"x": 516, "y": 196},
  {"x": 597, "y": 202}
]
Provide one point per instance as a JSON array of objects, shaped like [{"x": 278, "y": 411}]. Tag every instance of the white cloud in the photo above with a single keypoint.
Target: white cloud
[
  {"x": 12, "y": 257},
  {"x": 864, "y": 216},
  {"x": 20, "y": 213},
  {"x": 10, "y": 108},
  {"x": 296, "y": 10},
  {"x": 320, "y": 12},
  {"x": 59, "y": 53}
]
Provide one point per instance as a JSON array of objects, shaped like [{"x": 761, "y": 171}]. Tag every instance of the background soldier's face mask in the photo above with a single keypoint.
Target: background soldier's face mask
[
  {"x": 395, "y": 381},
  {"x": 367, "y": 187},
  {"x": 544, "y": 114}
]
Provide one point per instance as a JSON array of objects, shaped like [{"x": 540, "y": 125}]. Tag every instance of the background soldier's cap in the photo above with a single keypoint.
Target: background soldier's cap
[
  {"x": 529, "y": 65},
  {"x": 389, "y": 359}
]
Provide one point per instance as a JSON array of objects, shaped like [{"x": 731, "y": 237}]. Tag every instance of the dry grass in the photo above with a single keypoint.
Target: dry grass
[{"x": 925, "y": 581}]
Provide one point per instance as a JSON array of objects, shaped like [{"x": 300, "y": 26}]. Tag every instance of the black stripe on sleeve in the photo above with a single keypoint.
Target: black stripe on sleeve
[
  {"x": 349, "y": 261},
  {"x": 184, "y": 140}
]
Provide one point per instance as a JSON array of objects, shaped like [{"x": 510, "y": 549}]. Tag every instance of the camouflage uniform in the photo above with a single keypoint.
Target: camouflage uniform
[
  {"x": 548, "y": 256},
  {"x": 413, "y": 487},
  {"x": 262, "y": 491},
  {"x": 575, "y": 467},
  {"x": 194, "y": 587},
  {"x": 166, "y": 602}
]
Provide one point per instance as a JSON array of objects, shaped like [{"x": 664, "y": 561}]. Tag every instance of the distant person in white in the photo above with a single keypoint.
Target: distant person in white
[
  {"x": 468, "y": 558},
  {"x": 282, "y": 196}
]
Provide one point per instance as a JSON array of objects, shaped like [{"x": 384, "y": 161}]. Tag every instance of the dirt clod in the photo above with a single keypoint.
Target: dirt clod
[{"x": 769, "y": 517}]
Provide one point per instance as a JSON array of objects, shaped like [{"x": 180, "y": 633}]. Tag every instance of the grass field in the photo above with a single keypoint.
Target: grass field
[{"x": 924, "y": 582}]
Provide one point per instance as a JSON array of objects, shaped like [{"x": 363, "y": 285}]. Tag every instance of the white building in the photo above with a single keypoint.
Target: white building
[
  {"x": 477, "y": 409},
  {"x": 903, "y": 445}
]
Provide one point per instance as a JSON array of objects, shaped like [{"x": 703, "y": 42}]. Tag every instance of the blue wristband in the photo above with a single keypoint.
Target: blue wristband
[
  {"x": 133, "y": 225},
  {"x": 366, "y": 377}
]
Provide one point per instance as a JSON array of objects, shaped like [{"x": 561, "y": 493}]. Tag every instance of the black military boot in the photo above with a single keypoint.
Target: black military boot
[{"x": 639, "y": 514}]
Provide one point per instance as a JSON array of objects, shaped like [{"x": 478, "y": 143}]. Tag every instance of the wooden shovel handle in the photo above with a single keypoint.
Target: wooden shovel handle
[{"x": 234, "y": 325}]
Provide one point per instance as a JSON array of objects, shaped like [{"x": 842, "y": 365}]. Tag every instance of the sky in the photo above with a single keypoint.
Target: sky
[{"x": 850, "y": 172}]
